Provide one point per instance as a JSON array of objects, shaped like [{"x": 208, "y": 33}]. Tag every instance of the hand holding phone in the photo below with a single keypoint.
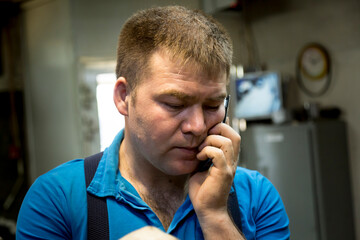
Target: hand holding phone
[{"x": 205, "y": 165}]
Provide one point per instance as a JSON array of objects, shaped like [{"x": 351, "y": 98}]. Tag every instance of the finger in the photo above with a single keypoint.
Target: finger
[
  {"x": 220, "y": 143},
  {"x": 216, "y": 154},
  {"x": 228, "y": 132},
  {"x": 216, "y": 140}
]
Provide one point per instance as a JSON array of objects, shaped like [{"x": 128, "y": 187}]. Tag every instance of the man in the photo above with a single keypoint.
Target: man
[{"x": 172, "y": 69}]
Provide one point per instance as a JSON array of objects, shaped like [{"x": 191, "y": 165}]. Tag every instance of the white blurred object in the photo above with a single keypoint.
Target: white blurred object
[
  {"x": 110, "y": 120},
  {"x": 281, "y": 116},
  {"x": 148, "y": 233}
]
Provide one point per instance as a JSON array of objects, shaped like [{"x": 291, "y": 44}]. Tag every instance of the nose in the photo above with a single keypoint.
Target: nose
[{"x": 194, "y": 121}]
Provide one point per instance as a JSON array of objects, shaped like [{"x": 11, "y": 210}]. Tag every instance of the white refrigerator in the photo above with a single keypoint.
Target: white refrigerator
[{"x": 308, "y": 165}]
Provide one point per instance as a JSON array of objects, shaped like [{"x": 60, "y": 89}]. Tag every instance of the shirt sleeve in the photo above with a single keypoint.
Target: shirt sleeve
[
  {"x": 271, "y": 219},
  {"x": 44, "y": 212}
]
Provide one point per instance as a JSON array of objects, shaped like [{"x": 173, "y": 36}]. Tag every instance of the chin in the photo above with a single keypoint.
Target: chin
[{"x": 182, "y": 169}]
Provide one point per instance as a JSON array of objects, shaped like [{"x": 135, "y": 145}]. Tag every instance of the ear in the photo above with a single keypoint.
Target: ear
[{"x": 121, "y": 95}]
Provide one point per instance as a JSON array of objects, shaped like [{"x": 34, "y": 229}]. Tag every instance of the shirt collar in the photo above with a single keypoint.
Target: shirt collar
[
  {"x": 107, "y": 176},
  {"x": 108, "y": 181}
]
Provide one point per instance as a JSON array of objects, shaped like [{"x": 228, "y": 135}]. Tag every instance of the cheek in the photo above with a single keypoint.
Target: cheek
[
  {"x": 214, "y": 118},
  {"x": 155, "y": 126}
]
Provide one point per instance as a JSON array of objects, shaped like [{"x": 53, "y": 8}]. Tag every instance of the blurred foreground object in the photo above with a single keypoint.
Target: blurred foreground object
[{"x": 149, "y": 233}]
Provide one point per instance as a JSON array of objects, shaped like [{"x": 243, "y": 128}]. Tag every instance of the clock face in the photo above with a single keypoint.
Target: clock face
[
  {"x": 314, "y": 63},
  {"x": 313, "y": 69}
]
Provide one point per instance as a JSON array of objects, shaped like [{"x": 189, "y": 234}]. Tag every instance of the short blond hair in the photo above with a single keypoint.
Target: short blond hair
[{"x": 188, "y": 35}]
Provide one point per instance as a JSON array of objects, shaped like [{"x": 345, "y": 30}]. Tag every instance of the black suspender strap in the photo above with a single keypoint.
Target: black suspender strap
[
  {"x": 97, "y": 222},
  {"x": 234, "y": 209}
]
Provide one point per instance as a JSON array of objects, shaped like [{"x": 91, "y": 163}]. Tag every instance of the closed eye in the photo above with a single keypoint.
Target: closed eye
[
  {"x": 173, "y": 106},
  {"x": 212, "y": 107}
]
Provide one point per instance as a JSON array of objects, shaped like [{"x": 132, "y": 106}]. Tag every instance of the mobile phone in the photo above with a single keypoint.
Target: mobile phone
[{"x": 205, "y": 165}]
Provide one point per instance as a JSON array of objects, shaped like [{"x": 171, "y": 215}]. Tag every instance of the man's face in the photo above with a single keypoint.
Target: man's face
[{"x": 171, "y": 115}]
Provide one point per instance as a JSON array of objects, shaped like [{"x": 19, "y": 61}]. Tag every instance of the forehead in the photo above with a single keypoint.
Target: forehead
[
  {"x": 181, "y": 80},
  {"x": 162, "y": 64}
]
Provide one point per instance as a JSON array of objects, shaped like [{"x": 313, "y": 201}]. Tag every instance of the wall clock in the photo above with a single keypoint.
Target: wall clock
[{"x": 313, "y": 69}]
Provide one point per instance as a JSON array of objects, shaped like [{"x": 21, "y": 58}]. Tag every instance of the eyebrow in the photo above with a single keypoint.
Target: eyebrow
[{"x": 186, "y": 97}]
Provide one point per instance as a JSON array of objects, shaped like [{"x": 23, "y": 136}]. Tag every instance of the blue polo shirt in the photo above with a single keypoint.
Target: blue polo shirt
[{"x": 55, "y": 206}]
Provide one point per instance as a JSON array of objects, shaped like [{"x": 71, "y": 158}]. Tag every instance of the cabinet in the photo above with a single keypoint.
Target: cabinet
[{"x": 308, "y": 165}]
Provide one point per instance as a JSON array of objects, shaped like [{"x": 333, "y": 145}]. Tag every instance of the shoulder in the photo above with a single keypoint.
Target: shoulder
[
  {"x": 256, "y": 187},
  {"x": 261, "y": 205},
  {"x": 61, "y": 179},
  {"x": 250, "y": 179},
  {"x": 53, "y": 201},
  {"x": 72, "y": 169}
]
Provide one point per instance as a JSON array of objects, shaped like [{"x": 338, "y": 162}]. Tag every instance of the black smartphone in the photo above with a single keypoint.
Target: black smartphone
[{"x": 205, "y": 165}]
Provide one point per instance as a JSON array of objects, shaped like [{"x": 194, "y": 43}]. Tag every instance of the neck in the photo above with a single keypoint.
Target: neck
[{"x": 163, "y": 193}]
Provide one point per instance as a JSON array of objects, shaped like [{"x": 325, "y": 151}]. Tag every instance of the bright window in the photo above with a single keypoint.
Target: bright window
[{"x": 110, "y": 120}]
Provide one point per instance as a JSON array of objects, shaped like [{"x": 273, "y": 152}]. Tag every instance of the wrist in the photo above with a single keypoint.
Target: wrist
[
  {"x": 214, "y": 221},
  {"x": 219, "y": 225}
]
